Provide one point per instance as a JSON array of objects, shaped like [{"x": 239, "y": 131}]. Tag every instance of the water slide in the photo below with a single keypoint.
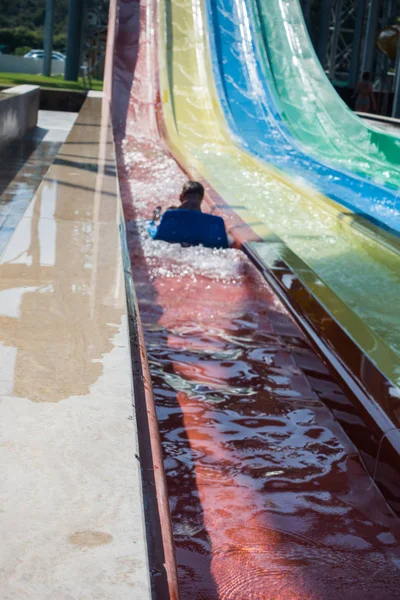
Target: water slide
[
  {"x": 268, "y": 496},
  {"x": 310, "y": 105},
  {"x": 253, "y": 110},
  {"x": 350, "y": 264}
]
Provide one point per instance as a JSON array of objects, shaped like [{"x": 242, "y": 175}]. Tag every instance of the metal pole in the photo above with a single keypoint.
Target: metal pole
[
  {"x": 306, "y": 12},
  {"x": 392, "y": 12},
  {"x": 356, "y": 50},
  {"x": 48, "y": 38},
  {"x": 74, "y": 41},
  {"x": 370, "y": 37},
  {"x": 335, "y": 38},
  {"x": 389, "y": 16},
  {"x": 324, "y": 31},
  {"x": 396, "y": 101}
]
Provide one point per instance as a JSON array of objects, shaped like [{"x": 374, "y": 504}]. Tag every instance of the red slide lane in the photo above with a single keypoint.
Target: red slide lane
[{"x": 268, "y": 496}]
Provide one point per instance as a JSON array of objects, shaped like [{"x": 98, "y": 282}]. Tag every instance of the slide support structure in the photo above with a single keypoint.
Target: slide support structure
[
  {"x": 324, "y": 31},
  {"x": 357, "y": 42},
  {"x": 396, "y": 101},
  {"x": 370, "y": 36},
  {"x": 336, "y": 31}
]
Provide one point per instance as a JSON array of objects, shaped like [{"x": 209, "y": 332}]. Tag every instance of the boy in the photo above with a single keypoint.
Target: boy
[{"x": 191, "y": 198}]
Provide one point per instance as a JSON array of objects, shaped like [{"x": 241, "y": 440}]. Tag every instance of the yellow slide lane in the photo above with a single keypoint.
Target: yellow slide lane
[{"x": 363, "y": 273}]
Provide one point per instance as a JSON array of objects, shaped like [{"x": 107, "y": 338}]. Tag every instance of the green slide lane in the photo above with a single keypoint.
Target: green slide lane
[{"x": 313, "y": 110}]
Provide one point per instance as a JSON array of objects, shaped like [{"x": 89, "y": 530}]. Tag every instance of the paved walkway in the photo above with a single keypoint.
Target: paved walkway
[
  {"x": 23, "y": 165},
  {"x": 72, "y": 520}
]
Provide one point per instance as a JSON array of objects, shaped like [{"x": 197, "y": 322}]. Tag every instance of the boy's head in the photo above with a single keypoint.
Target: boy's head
[
  {"x": 366, "y": 76},
  {"x": 192, "y": 194}
]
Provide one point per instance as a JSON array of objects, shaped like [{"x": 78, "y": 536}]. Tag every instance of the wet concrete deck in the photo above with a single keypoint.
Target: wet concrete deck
[
  {"x": 72, "y": 520},
  {"x": 23, "y": 165}
]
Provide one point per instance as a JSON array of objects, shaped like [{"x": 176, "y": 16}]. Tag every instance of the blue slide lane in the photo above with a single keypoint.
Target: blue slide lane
[{"x": 254, "y": 118}]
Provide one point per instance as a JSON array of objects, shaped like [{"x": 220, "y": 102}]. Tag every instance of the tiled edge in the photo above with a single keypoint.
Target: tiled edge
[
  {"x": 159, "y": 524},
  {"x": 386, "y": 472},
  {"x": 17, "y": 90},
  {"x": 160, "y": 540},
  {"x": 18, "y": 112},
  {"x": 159, "y": 536},
  {"x": 275, "y": 255},
  {"x": 372, "y": 394}
]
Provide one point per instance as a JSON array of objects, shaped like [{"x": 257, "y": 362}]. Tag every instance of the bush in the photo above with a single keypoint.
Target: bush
[
  {"x": 22, "y": 50},
  {"x": 60, "y": 42},
  {"x": 16, "y": 37},
  {"x": 38, "y": 16}
]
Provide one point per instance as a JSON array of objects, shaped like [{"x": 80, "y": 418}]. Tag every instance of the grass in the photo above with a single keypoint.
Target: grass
[{"x": 56, "y": 82}]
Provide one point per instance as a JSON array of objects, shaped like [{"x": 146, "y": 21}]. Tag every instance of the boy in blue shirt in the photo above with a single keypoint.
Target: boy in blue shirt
[{"x": 191, "y": 198}]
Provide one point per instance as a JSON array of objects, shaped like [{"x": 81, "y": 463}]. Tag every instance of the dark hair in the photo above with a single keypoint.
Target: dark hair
[
  {"x": 193, "y": 187},
  {"x": 366, "y": 76}
]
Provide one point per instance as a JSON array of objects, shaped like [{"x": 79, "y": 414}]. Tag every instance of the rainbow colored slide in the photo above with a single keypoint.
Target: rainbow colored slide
[
  {"x": 350, "y": 264},
  {"x": 275, "y": 365}
]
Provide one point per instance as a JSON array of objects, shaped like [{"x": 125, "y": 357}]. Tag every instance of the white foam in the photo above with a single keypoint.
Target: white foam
[{"x": 175, "y": 261}]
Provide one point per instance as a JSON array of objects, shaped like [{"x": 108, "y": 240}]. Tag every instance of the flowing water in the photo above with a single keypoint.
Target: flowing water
[
  {"x": 264, "y": 485},
  {"x": 268, "y": 497}
]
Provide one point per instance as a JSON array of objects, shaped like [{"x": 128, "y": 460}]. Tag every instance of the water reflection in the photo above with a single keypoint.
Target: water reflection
[{"x": 61, "y": 302}]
